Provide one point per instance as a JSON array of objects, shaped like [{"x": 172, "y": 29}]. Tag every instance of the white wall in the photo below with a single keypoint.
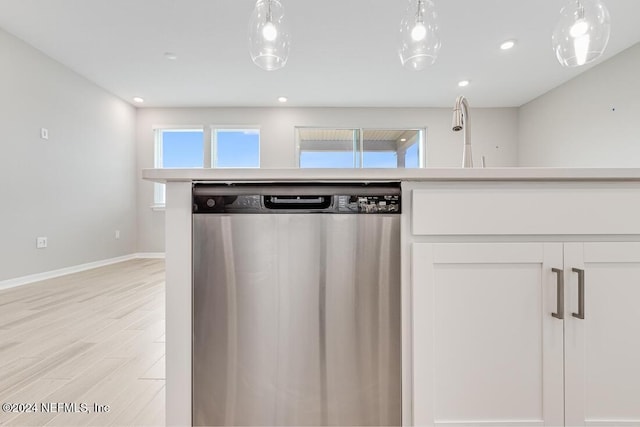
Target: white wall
[
  {"x": 590, "y": 121},
  {"x": 494, "y": 136},
  {"x": 78, "y": 187}
]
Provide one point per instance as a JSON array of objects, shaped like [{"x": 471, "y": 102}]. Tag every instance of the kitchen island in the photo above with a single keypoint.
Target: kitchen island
[{"x": 495, "y": 263}]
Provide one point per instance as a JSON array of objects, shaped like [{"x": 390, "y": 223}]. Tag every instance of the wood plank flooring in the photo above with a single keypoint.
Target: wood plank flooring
[{"x": 94, "y": 337}]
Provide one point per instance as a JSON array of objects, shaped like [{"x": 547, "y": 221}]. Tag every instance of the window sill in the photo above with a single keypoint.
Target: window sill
[{"x": 158, "y": 207}]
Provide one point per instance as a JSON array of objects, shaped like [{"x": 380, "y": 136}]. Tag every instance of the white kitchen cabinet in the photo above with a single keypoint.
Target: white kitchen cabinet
[
  {"x": 602, "y": 351},
  {"x": 487, "y": 349}
]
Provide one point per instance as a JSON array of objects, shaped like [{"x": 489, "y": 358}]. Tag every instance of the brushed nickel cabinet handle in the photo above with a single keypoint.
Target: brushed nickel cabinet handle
[
  {"x": 560, "y": 297},
  {"x": 580, "y": 313}
]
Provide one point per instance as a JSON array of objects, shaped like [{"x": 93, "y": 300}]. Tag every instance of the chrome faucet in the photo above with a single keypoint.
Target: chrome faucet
[{"x": 462, "y": 122}]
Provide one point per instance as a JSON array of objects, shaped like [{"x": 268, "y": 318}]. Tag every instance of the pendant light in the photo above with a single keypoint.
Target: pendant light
[
  {"x": 269, "y": 38},
  {"x": 419, "y": 39},
  {"x": 582, "y": 33}
]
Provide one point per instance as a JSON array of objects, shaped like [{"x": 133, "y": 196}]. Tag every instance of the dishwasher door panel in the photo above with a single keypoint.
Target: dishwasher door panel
[{"x": 296, "y": 319}]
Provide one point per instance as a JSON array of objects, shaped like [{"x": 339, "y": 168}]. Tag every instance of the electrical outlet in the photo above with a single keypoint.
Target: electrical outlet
[
  {"x": 41, "y": 242},
  {"x": 117, "y": 234},
  {"x": 44, "y": 133}
]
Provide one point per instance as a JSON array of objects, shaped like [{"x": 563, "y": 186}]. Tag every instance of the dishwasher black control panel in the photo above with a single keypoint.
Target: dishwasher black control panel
[{"x": 296, "y": 198}]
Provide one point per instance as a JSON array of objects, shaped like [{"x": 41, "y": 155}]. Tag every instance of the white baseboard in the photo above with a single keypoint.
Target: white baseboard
[
  {"x": 19, "y": 281},
  {"x": 154, "y": 255}
]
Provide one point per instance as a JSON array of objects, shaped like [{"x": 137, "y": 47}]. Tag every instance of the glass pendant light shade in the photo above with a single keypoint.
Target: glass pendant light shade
[
  {"x": 582, "y": 33},
  {"x": 269, "y": 38},
  {"x": 419, "y": 39}
]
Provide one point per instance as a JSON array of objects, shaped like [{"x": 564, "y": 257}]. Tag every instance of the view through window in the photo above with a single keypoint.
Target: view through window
[
  {"x": 180, "y": 148},
  {"x": 235, "y": 148},
  {"x": 360, "y": 148}
]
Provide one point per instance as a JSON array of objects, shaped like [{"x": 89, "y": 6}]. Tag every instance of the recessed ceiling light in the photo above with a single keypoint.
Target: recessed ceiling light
[
  {"x": 403, "y": 139},
  {"x": 138, "y": 100},
  {"x": 508, "y": 44},
  {"x": 282, "y": 99},
  {"x": 170, "y": 56},
  {"x": 463, "y": 83}
]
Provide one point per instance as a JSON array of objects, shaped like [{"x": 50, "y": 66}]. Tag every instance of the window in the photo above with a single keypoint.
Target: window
[
  {"x": 177, "y": 148},
  {"x": 235, "y": 148},
  {"x": 360, "y": 148}
]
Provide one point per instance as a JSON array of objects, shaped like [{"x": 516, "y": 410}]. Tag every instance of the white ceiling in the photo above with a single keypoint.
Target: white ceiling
[{"x": 344, "y": 52}]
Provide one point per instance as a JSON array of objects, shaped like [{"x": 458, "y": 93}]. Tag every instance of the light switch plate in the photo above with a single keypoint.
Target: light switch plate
[{"x": 44, "y": 133}]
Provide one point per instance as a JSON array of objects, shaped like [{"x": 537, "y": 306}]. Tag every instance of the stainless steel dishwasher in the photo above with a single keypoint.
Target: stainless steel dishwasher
[{"x": 296, "y": 296}]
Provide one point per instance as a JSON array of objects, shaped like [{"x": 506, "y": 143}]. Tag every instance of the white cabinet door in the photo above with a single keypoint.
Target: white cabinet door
[
  {"x": 602, "y": 351},
  {"x": 485, "y": 346}
]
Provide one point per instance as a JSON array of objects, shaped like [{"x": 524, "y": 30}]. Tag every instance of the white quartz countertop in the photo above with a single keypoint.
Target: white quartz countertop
[{"x": 429, "y": 174}]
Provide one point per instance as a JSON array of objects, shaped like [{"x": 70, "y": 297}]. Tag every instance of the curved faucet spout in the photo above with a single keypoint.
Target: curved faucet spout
[{"x": 462, "y": 122}]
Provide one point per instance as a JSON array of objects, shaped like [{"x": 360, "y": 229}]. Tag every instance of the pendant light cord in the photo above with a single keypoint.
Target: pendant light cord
[
  {"x": 419, "y": 17},
  {"x": 580, "y": 9}
]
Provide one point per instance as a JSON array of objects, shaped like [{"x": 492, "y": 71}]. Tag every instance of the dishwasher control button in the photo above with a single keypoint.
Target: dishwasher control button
[{"x": 211, "y": 203}]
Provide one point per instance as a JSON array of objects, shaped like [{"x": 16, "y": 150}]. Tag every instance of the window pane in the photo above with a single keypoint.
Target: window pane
[
  {"x": 391, "y": 148},
  {"x": 326, "y": 159},
  {"x": 237, "y": 148},
  {"x": 182, "y": 149},
  {"x": 327, "y": 148},
  {"x": 380, "y": 148}
]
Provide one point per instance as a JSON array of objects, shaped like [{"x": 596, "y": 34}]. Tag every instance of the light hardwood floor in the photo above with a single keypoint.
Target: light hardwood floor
[{"x": 90, "y": 337}]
